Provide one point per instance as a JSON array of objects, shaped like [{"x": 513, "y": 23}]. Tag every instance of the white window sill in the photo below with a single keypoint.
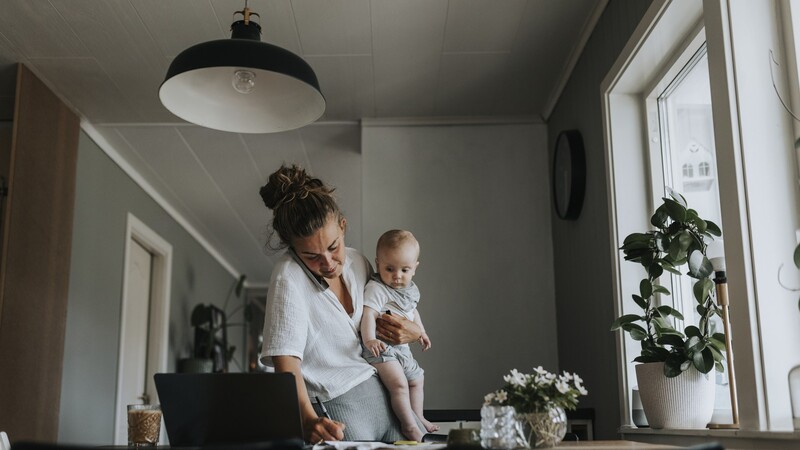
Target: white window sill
[{"x": 731, "y": 439}]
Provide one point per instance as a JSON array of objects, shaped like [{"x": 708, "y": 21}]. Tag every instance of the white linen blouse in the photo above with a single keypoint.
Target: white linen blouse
[{"x": 305, "y": 319}]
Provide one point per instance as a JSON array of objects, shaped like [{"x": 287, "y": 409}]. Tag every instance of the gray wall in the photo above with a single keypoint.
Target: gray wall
[
  {"x": 477, "y": 199},
  {"x": 463, "y": 190},
  {"x": 334, "y": 152},
  {"x": 584, "y": 303},
  {"x": 104, "y": 196}
]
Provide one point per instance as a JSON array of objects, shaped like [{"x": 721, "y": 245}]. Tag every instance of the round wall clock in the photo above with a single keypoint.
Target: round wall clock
[{"x": 569, "y": 174}]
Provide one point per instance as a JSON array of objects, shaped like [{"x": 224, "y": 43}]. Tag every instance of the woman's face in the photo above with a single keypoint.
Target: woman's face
[{"x": 324, "y": 251}]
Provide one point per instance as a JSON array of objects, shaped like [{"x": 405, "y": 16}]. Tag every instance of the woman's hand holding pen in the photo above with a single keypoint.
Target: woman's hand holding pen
[{"x": 323, "y": 428}]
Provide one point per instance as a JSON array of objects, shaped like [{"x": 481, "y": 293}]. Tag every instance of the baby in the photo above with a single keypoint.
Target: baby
[{"x": 392, "y": 290}]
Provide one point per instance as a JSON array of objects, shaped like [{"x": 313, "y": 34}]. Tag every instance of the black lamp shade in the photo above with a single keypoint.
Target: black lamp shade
[{"x": 199, "y": 86}]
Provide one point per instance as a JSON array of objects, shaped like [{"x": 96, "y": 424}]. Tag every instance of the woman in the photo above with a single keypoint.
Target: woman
[{"x": 314, "y": 308}]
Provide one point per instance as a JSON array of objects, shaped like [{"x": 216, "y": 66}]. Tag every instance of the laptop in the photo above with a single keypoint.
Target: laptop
[{"x": 217, "y": 409}]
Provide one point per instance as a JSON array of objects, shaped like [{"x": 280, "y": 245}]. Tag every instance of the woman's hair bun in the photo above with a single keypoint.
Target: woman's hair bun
[
  {"x": 268, "y": 196},
  {"x": 286, "y": 184},
  {"x": 300, "y": 203}
]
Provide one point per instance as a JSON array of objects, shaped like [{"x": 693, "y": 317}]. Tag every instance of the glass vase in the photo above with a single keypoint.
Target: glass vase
[
  {"x": 542, "y": 429},
  {"x": 498, "y": 427}
]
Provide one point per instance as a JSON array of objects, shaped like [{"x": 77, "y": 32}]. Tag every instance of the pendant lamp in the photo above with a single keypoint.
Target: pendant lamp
[{"x": 242, "y": 85}]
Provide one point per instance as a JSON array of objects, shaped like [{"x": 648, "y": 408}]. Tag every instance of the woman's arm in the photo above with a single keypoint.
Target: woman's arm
[
  {"x": 397, "y": 330},
  {"x": 315, "y": 428}
]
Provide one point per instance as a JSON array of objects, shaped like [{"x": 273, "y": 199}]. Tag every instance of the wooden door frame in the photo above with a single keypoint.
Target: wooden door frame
[{"x": 159, "y": 307}]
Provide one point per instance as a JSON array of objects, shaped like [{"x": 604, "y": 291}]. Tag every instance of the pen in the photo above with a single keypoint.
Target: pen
[{"x": 322, "y": 407}]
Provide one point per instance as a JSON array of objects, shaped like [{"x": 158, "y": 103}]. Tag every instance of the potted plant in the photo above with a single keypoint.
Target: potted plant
[
  {"x": 674, "y": 385},
  {"x": 211, "y": 352},
  {"x": 539, "y": 400}
]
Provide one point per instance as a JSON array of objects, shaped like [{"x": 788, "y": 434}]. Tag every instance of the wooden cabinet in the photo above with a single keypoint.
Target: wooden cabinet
[
  {"x": 6, "y": 128},
  {"x": 34, "y": 266}
]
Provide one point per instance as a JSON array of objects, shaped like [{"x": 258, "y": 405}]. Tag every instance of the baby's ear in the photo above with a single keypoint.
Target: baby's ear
[{"x": 417, "y": 265}]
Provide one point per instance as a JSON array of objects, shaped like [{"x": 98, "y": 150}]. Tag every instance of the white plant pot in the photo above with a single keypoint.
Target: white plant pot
[{"x": 686, "y": 401}]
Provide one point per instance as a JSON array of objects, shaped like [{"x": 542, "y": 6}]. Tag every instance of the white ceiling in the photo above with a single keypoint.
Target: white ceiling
[{"x": 428, "y": 59}]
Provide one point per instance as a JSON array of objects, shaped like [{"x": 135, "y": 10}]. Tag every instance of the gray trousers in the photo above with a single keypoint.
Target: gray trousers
[{"x": 367, "y": 413}]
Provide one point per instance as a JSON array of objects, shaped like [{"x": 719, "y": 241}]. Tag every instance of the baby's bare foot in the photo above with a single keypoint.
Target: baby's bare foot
[
  {"x": 429, "y": 426},
  {"x": 413, "y": 433}
]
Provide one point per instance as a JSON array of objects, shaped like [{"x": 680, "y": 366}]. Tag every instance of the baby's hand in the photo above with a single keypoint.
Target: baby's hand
[
  {"x": 376, "y": 346},
  {"x": 425, "y": 341}
]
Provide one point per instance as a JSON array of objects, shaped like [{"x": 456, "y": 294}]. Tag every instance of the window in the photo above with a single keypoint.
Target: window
[
  {"x": 704, "y": 169},
  {"x": 688, "y": 171},
  {"x": 686, "y": 137},
  {"x": 738, "y": 164},
  {"x": 686, "y": 134}
]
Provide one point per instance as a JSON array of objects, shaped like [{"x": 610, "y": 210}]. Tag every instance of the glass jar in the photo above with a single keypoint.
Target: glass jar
[
  {"x": 542, "y": 429},
  {"x": 498, "y": 427}
]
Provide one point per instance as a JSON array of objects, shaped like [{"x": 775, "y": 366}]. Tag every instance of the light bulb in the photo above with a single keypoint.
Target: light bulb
[{"x": 244, "y": 81}]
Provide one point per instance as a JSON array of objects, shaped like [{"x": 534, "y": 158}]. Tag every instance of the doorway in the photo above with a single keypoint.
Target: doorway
[{"x": 144, "y": 320}]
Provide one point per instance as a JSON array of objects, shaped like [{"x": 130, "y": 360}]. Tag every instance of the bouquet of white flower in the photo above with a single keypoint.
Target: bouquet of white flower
[{"x": 539, "y": 391}]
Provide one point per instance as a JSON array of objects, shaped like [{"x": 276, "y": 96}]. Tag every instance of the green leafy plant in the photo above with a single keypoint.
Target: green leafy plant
[
  {"x": 797, "y": 263},
  {"x": 679, "y": 239},
  {"x": 797, "y": 256},
  {"x": 211, "y": 328}
]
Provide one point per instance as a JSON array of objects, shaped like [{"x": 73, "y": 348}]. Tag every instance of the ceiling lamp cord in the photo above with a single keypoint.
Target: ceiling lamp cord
[{"x": 246, "y": 13}]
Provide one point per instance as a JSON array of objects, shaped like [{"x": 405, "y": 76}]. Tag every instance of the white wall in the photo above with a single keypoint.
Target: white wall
[{"x": 477, "y": 199}]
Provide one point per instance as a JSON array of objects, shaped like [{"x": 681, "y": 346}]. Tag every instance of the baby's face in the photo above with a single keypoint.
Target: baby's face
[{"x": 397, "y": 266}]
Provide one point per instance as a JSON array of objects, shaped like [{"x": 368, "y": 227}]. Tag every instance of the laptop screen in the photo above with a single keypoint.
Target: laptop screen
[{"x": 228, "y": 408}]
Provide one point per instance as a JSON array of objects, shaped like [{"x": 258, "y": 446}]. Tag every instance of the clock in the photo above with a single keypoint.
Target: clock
[{"x": 569, "y": 174}]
